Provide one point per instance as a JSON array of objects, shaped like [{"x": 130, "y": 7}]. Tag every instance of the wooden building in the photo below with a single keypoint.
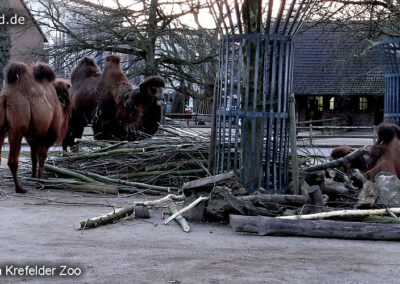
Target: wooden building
[{"x": 337, "y": 75}]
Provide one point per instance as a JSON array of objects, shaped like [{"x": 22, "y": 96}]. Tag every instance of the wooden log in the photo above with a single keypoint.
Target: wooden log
[
  {"x": 333, "y": 188},
  {"x": 315, "y": 198},
  {"x": 179, "y": 219},
  {"x": 190, "y": 206},
  {"x": 88, "y": 188},
  {"x": 208, "y": 182},
  {"x": 322, "y": 228},
  {"x": 341, "y": 213},
  {"x": 285, "y": 199},
  {"x": 222, "y": 203},
  {"x": 142, "y": 212},
  {"x": 108, "y": 218},
  {"x": 158, "y": 173},
  {"x": 70, "y": 173},
  {"x": 174, "y": 165},
  {"x": 131, "y": 183},
  {"x": 341, "y": 176},
  {"x": 314, "y": 178},
  {"x": 339, "y": 162}
]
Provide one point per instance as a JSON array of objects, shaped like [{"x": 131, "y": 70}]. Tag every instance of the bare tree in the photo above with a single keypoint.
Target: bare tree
[{"x": 162, "y": 37}]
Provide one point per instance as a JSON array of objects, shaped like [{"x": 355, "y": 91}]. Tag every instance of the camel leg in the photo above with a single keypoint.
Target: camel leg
[
  {"x": 15, "y": 148},
  {"x": 42, "y": 154},
  {"x": 2, "y": 137},
  {"x": 34, "y": 158}
]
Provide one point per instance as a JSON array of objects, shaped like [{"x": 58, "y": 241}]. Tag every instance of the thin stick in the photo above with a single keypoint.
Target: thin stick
[
  {"x": 70, "y": 173},
  {"x": 179, "y": 219},
  {"x": 340, "y": 213},
  {"x": 131, "y": 183},
  {"x": 183, "y": 210},
  {"x": 166, "y": 198}
]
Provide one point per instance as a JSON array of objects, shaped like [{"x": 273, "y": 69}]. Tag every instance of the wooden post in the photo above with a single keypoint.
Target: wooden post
[
  {"x": 374, "y": 135},
  {"x": 310, "y": 133},
  {"x": 293, "y": 144}
]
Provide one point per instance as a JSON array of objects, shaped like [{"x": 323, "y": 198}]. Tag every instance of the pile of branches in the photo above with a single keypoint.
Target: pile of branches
[{"x": 158, "y": 164}]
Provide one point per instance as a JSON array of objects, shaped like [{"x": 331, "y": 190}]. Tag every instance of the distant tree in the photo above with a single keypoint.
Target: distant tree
[
  {"x": 154, "y": 34},
  {"x": 5, "y": 41}
]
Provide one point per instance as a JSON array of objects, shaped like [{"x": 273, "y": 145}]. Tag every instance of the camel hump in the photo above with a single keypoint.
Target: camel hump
[
  {"x": 43, "y": 71},
  {"x": 14, "y": 71},
  {"x": 152, "y": 81},
  {"x": 114, "y": 59},
  {"x": 386, "y": 131}
]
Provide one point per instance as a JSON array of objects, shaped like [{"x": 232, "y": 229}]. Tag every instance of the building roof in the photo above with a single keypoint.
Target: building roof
[{"x": 332, "y": 62}]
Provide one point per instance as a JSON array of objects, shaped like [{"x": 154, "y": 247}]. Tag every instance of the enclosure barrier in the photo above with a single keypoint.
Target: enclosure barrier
[{"x": 390, "y": 56}]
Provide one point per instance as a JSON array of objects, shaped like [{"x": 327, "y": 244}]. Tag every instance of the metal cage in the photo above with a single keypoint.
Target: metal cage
[
  {"x": 390, "y": 56},
  {"x": 259, "y": 95},
  {"x": 250, "y": 132}
]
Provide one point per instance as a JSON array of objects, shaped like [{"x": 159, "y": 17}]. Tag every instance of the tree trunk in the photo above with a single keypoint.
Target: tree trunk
[
  {"x": 321, "y": 229},
  {"x": 251, "y": 125}
]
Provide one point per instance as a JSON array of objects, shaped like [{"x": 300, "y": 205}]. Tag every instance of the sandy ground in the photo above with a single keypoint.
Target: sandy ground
[{"x": 35, "y": 231}]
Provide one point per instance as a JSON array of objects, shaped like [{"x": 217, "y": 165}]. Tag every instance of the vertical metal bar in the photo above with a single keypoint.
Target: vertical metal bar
[
  {"x": 265, "y": 89},
  {"x": 233, "y": 63},
  {"x": 278, "y": 18},
  {"x": 228, "y": 11},
  {"x": 259, "y": 16},
  {"x": 288, "y": 85},
  {"x": 288, "y": 15},
  {"x": 239, "y": 20},
  {"x": 246, "y": 104},
  {"x": 296, "y": 16},
  {"x": 222, "y": 64},
  {"x": 238, "y": 104},
  {"x": 226, "y": 85},
  {"x": 269, "y": 16},
  {"x": 271, "y": 111}
]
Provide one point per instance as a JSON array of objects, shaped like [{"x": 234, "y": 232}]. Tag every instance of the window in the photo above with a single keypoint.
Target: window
[
  {"x": 332, "y": 103},
  {"x": 320, "y": 103},
  {"x": 363, "y": 103}
]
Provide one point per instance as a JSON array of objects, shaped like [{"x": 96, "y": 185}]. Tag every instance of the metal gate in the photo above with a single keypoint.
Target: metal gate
[
  {"x": 251, "y": 127},
  {"x": 390, "y": 55}
]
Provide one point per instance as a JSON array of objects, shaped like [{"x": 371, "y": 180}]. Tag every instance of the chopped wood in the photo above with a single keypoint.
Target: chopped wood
[
  {"x": 167, "y": 198},
  {"x": 222, "y": 203},
  {"x": 315, "y": 198},
  {"x": 190, "y": 206},
  {"x": 321, "y": 228},
  {"x": 179, "y": 219},
  {"x": 70, "y": 173},
  {"x": 285, "y": 199},
  {"x": 333, "y": 188},
  {"x": 341, "y": 213},
  {"x": 142, "y": 212},
  {"x": 88, "y": 188},
  {"x": 131, "y": 183},
  {"x": 108, "y": 218},
  {"x": 339, "y": 162},
  {"x": 208, "y": 182}
]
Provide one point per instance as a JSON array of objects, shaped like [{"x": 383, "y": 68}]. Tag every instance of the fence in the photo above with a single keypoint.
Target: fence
[{"x": 390, "y": 55}]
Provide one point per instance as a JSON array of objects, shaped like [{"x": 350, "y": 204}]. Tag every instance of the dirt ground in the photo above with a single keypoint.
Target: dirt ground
[{"x": 37, "y": 229}]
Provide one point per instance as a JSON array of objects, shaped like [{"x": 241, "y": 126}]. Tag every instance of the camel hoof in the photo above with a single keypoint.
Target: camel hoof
[{"x": 20, "y": 190}]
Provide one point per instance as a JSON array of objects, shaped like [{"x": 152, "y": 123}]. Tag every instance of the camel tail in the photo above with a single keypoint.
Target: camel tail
[
  {"x": 14, "y": 71},
  {"x": 43, "y": 71}
]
